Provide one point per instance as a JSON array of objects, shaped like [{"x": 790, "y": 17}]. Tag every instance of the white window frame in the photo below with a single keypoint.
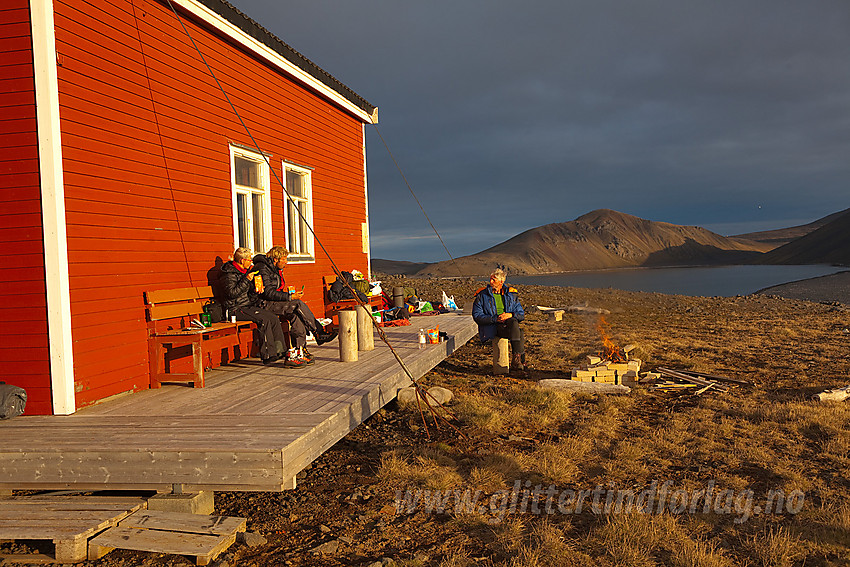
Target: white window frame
[
  {"x": 308, "y": 256},
  {"x": 264, "y": 190}
]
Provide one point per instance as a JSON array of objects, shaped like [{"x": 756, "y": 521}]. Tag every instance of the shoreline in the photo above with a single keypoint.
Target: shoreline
[{"x": 831, "y": 287}]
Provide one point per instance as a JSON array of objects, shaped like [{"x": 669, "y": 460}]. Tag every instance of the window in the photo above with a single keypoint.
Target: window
[
  {"x": 299, "y": 213},
  {"x": 251, "y": 210}
]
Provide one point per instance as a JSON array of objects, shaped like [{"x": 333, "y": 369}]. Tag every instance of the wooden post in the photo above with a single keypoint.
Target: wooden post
[
  {"x": 348, "y": 335},
  {"x": 365, "y": 337},
  {"x": 501, "y": 356}
]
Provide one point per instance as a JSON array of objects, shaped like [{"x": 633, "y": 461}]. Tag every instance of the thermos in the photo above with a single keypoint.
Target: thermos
[{"x": 398, "y": 297}]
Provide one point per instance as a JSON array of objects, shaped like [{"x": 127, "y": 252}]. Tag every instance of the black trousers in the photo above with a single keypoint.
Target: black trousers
[
  {"x": 510, "y": 329},
  {"x": 271, "y": 333},
  {"x": 300, "y": 319}
]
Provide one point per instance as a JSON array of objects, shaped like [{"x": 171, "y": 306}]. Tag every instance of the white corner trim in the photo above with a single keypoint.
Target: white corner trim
[
  {"x": 53, "y": 207},
  {"x": 366, "y": 199},
  {"x": 215, "y": 20}
]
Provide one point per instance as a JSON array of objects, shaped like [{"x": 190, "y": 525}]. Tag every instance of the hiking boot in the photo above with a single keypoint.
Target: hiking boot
[
  {"x": 323, "y": 336},
  {"x": 306, "y": 354},
  {"x": 295, "y": 363},
  {"x": 272, "y": 359},
  {"x": 518, "y": 362}
]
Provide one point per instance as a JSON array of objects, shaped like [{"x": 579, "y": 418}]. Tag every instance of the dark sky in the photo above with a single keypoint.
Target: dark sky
[{"x": 732, "y": 115}]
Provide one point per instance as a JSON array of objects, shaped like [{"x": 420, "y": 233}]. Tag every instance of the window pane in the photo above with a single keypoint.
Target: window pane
[
  {"x": 305, "y": 232},
  {"x": 257, "y": 210},
  {"x": 292, "y": 222},
  {"x": 247, "y": 172},
  {"x": 242, "y": 220},
  {"x": 295, "y": 184}
]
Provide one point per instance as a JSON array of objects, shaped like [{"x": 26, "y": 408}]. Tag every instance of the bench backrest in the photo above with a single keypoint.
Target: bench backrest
[{"x": 174, "y": 303}]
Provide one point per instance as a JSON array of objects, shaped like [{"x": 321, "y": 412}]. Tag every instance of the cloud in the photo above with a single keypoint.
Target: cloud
[{"x": 516, "y": 116}]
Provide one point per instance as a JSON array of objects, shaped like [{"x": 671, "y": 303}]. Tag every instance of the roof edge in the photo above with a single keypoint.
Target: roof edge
[{"x": 226, "y": 18}]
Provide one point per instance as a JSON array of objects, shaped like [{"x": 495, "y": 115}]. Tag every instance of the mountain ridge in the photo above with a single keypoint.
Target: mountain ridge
[
  {"x": 600, "y": 239},
  {"x": 782, "y": 236},
  {"x": 829, "y": 244}
]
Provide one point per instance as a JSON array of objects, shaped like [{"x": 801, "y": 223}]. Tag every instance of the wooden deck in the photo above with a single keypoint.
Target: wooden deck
[{"x": 251, "y": 428}]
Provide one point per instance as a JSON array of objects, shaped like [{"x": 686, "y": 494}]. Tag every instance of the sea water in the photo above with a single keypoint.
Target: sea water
[{"x": 708, "y": 281}]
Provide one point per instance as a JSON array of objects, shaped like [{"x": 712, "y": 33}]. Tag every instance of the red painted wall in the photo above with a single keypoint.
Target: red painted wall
[
  {"x": 145, "y": 133},
  {"x": 24, "y": 356}
]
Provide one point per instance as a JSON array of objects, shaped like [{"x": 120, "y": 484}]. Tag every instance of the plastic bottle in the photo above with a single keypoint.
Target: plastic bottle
[{"x": 421, "y": 338}]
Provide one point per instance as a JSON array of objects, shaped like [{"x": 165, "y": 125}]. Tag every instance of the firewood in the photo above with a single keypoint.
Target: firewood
[
  {"x": 691, "y": 379},
  {"x": 720, "y": 378}
]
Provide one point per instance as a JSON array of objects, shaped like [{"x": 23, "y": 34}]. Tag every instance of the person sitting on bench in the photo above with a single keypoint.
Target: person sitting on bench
[
  {"x": 498, "y": 312},
  {"x": 279, "y": 300},
  {"x": 242, "y": 301}
]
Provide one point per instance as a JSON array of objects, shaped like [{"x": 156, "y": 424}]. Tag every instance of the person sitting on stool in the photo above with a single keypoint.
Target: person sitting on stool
[{"x": 498, "y": 312}]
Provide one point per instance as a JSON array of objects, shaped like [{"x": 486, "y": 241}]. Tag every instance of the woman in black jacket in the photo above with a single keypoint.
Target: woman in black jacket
[
  {"x": 241, "y": 299},
  {"x": 277, "y": 299}
]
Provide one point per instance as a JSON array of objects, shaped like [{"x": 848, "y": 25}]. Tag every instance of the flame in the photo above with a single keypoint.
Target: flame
[{"x": 610, "y": 351}]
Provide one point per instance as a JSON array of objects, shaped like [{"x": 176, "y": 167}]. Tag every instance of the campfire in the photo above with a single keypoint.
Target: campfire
[
  {"x": 613, "y": 365},
  {"x": 610, "y": 351}
]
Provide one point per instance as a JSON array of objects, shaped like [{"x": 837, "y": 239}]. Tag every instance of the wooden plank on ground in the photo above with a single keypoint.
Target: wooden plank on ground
[
  {"x": 10, "y": 516},
  {"x": 189, "y": 523},
  {"x": 203, "y": 547},
  {"x": 26, "y": 559}
]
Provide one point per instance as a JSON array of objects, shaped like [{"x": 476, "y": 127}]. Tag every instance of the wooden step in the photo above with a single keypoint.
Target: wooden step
[
  {"x": 198, "y": 536},
  {"x": 66, "y": 520}
]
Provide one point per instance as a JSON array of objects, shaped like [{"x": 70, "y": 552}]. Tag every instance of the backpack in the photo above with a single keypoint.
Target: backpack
[{"x": 13, "y": 400}]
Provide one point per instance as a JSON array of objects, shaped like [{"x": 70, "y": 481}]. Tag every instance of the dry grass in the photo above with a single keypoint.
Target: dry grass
[
  {"x": 775, "y": 548},
  {"x": 629, "y": 539},
  {"x": 557, "y": 463},
  {"x": 516, "y": 409},
  {"x": 696, "y": 553},
  {"x": 548, "y": 545},
  {"x": 426, "y": 468}
]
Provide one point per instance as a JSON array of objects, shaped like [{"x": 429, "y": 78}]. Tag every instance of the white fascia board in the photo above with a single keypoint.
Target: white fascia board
[
  {"x": 215, "y": 20},
  {"x": 53, "y": 208},
  {"x": 366, "y": 200}
]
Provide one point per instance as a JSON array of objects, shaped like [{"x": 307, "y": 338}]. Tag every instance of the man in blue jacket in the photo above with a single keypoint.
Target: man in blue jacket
[{"x": 498, "y": 312}]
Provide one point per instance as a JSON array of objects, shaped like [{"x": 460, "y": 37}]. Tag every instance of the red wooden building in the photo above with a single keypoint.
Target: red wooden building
[{"x": 124, "y": 169}]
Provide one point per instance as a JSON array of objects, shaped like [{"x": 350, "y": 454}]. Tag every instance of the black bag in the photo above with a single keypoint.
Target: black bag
[
  {"x": 394, "y": 314},
  {"x": 13, "y": 400},
  {"x": 215, "y": 311},
  {"x": 339, "y": 291}
]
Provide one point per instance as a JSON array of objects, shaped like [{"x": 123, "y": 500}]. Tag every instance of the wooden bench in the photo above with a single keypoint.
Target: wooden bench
[
  {"x": 332, "y": 308},
  {"x": 170, "y": 313}
]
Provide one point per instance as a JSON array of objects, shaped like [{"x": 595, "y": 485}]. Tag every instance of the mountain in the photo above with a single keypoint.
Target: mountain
[
  {"x": 602, "y": 239},
  {"x": 785, "y": 235},
  {"x": 830, "y": 244},
  {"x": 398, "y": 267}
]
